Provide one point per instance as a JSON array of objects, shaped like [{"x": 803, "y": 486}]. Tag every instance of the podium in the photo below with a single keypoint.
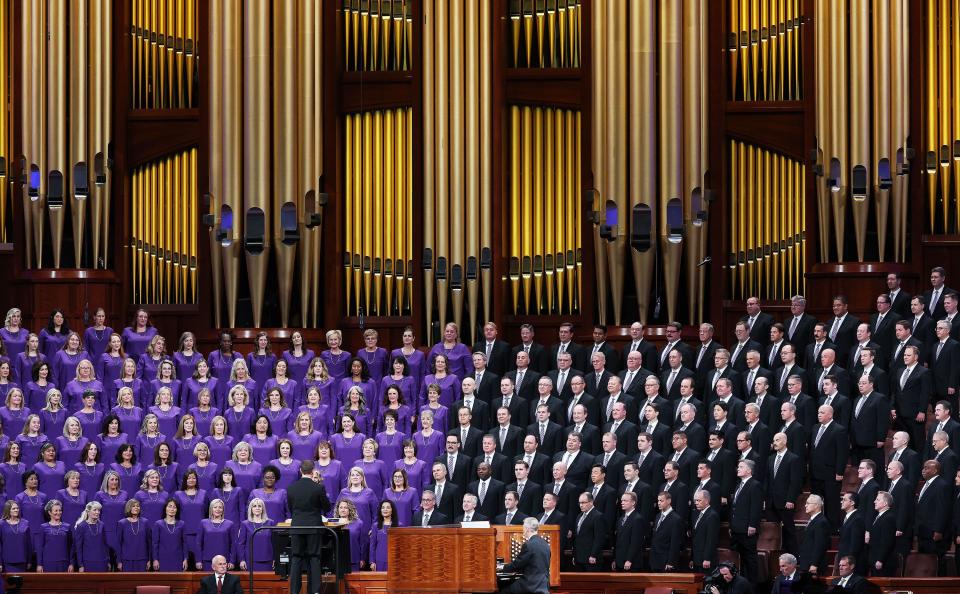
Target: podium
[{"x": 453, "y": 559}]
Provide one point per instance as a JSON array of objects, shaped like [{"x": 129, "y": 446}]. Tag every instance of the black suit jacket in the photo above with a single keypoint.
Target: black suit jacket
[
  {"x": 932, "y": 509},
  {"x": 686, "y": 353},
  {"x": 760, "y": 331},
  {"x": 705, "y": 536},
  {"x": 885, "y": 335},
  {"x": 806, "y": 409},
  {"x": 853, "y": 361},
  {"x": 802, "y": 335},
  {"x": 946, "y": 367},
  {"x": 811, "y": 357},
  {"x": 699, "y": 417},
  {"x": 613, "y": 361},
  {"x": 901, "y": 304},
  {"x": 780, "y": 377},
  {"x": 662, "y": 434},
  {"x": 650, "y": 358},
  {"x": 679, "y": 497},
  {"x": 813, "y": 379},
  {"x": 773, "y": 350},
  {"x": 881, "y": 379},
  {"x": 608, "y": 504},
  {"x": 533, "y": 561},
  {"x": 477, "y": 517},
  {"x": 567, "y": 498},
  {"x": 912, "y": 463},
  {"x": 749, "y": 391},
  {"x": 846, "y": 336},
  {"x": 566, "y": 393},
  {"x": 709, "y": 394},
  {"x": 541, "y": 470},
  {"x": 579, "y": 354},
  {"x": 531, "y": 500},
  {"x": 231, "y": 584},
  {"x": 451, "y": 501},
  {"x": 487, "y": 390},
  {"x": 666, "y": 542},
  {"x": 651, "y": 470},
  {"x": 470, "y": 447},
  {"x": 723, "y": 470},
  {"x": 646, "y": 499},
  {"x": 462, "y": 473},
  {"x": 579, "y": 471},
  {"x": 785, "y": 487},
  {"x": 829, "y": 457},
  {"x": 842, "y": 408},
  {"x": 867, "y": 492},
  {"x": 590, "y": 539},
  {"x": 587, "y": 401},
  {"x": 499, "y": 359},
  {"x": 596, "y": 384},
  {"x": 628, "y": 401},
  {"x": 674, "y": 392},
  {"x": 306, "y": 501},
  {"x": 513, "y": 445},
  {"x": 493, "y": 499},
  {"x": 760, "y": 439},
  {"x": 882, "y": 543},
  {"x": 516, "y": 520},
  {"x": 851, "y": 538},
  {"x": 614, "y": 467},
  {"x": 553, "y": 404},
  {"x": 696, "y": 436},
  {"x": 552, "y": 441},
  {"x": 540, "y": 360},
  {"x": 952, "y": 428},
  {"x": 501, "y": 467},
  {"x": 769, "y": 410},
  {"x": 873, "y": 422},
  {"x": 746, "y": 508},
  {"x": 816, "y": 541},
  {"x": 739, "y": 363},
  {"x": 436, "y": 518},
  {"x": 705, "y": 366},
  {"x": 855, "y": 585},
  {"x": 938, "y": 311},
  {"x": 589, "y": 438},
  {"x": 480, "y": 412},
  {"x": 631, "y": 535},
  {"x": 626, "y": 436},
  {"x": 904, "y": 506},
  {"x": 924, "y": 328},
  {"x": 518, "y": 410},
  {"x": 797, "y": 440},
  {"x": 915, "y": 394},
  {"x": 527, "y": 390}
]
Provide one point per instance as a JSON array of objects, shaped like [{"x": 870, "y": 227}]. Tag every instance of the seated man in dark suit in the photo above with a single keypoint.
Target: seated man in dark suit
[
  {"x": 533, "y": 562},
  {"x": 733, "y": 583},
  {"x": 220, "y": 582},
  {"x": 848, "y": 579},
  {"x": 511, "y": 516},
  {"x": 428, "y": 514},
  {"x": 470, "y": 513}
]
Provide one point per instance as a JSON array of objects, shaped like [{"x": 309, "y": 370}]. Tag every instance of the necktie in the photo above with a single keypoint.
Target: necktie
[
  {"x": 939, "y": 348},
  {"x": 468, "y": 517},
  {"x": 933, "y": 300},
  {"x": 543, "y": 518},
  {"x": 904, "y": 376},
  {"x": 451, "y": 462},
  {"x": 520, "y": 487},
  {"x": 712, "y": 455},
  {"x": 736, "y": 351},
  {"x": 916, "y": 320},
  {"x": 673, "y": 376},
  {"x": 940, "y": 426},
  {"x": 924, "y": 490},
  {"x": 489, "y": 349},
  {"x": 599, "y": 379},
  {"x": 676, "y": 456},
  {"x": 528, "y": 459},
  {"x": 623, "y": 520},
  {"x": 439, "y": 493},
  {"x": 509, "y": 518},
  {"x": 426, "y": 520},
  {"x": 634, "y": 346},
  {"x": 611, "y": 401},
  {"x": 556, "y": 489},
  {"x": 561, "y": 378},
  {"x": 563, "y": 347},
  {"x": 543, "y": 432},
  {"x": 820, "y": 431},
  {"x": 629, "y": 488},
  {"x": 750, "y": 323},
  {"x": 879, "y": 321},
  {"x": 739, "y": 488},
  {"x": 834, "y": 329},
  {"x": 750, "y": 378},
  {"x": 463, "y": 436},
  {"x": 503, "y": 437},
  {"x": 856, "y": 355},
  {"x": 860, "y": 402},
  {"x": 640, "y": 459},
  {"x": 666, "y": 353},
  {"x": 606, "y": 458},
  {"x": 896, "y": 456},
  {"x": 816, "y": 351},
  {"x": 566, "y": 459},
  {"x": 660, "y": 521},
  {"x": 613, "y": 429},
  {"x": 776, "y": 463},
  {"x": 829, "y": 400},
  {"x": 716, "y": 377},
  {"x": 526, "y": 348},
  {"x": 506, "y": 400},
  {"x": 573, "y": 402},
  {"x": 219, "y": 583},
  {"x": 697, "y": 521},
  {"x": 488, "y": 459},
  {"x": 580, "y": 521},
  {"x": 703, "y": 350},
  {"x": 596, "y": 489},
  {"x": 483, "y": 491},
  {"x": 760, "y": 400},
  {"x": 596, "y": 348},
  {"x": 479, "y": 377},
  {"x": 784, "y": 374},
  {"x": 519, "y": 379},
  {"x": 793, "y": 327},
  {"x": 627, "y": 380},
  {"x": 823, "y": 374}
]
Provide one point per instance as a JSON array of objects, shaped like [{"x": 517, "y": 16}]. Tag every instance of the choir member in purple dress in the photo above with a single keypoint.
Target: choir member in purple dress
[
  {"x": 239, "y": 416},
  {"x": 50, "y": 470},
  {"x": 199, "y": 380},
  {"x": 221, "y": 360},
  {"x": 185, "y": 358},
  {"x": 137, "y": 336},
  {"x": 166, "y": 468},
  {"x": 65, "y": 361},
  {"x": 417, "y": 470},
  {"x": 128, "y": 379},
  {"x": 234, "y": 498},
  {"x": 349, "y": 517},
  {"x": 91, "y": 469},
  {"x": 111, "y": 437},
  {"x": 206, "y": 469},
  {"x": 133, "y": 539},
  {"x": 84, "y": 382},
  {"x": 127, "y": 468},
  {"x": 149, "y": 362},
  {"x": 168, "y": 540},
  {"x": 416, "y": 360},
  {"x": 16, "y": 539},
  {"x": 13, "y": 335},
  {"x": 347, "y": 442},
  {"x": 7, "y": 382},
  {"x": 12, "y": 468},
  {"x": 216, "y": 536},
  {"x": 440, "y": 412},
  {"x": 31, "y": 439},
  {"x": 336, "y": 359},
  {"x": 405, "y": 386},
  {"x": 90, "y": 418},
  {"x": 298, "y": 357},
  {"x": 318, "y": 377},
  {"x": 113, "y": 499},
  {"x": 274, "y": 497},
  {"x": 390, "y": 441},
  {"x": 257, "y": 517},
  {"x": 127, "y": 412},
  {"x": 240, "y": 376},
  {"x": 97, "y": 337},
  {"x": 150, "y": 436},
  {"x": 361, "y": 495},
  {"x": 304, "y": 437},
  {"x": 358, "y": 407},
  {"x": 28, "y": 359},
  {"x": 152, "y": 496},
  {"x": 54, "y": 336},
  {"x": 316, "y": 405},
  {"x": 70, "y": 444},
  {"x": 276, "y": 411},
  {"x": 260, "y": 362},
  {"x": 406, "y": 499},
  {"x": 55, "y": 543},
  {"x": 375, "y": 470},
  {"x": 53, "y": 415},
  {"x": 376, "y": 357},
  {"x": 332, "y": 471},
  {"x": 204, "y": 412},
  {"x": 429, "y": 441},
  {"x": 72, "y": 499},
  {"x": 166, "y": 382},
  {"x": 288, "y": 466},
  {"x": 14, "y": 414},
  {"x": 193, "y": 507},
  {"x": 441, "y": 376},
  {"x": 281, "y": 381},
  {"x": 108, "y": 366},
  {"x": 262, "y": 440},
  {"x": 359, "y": 376},
  {"x": 220, "y": 444},
  {"x": 185, "y": 440},
  {"x": 245, "y": 469},
  {"x": 91, "y": 545},
  {"x": 32, "y": 500},
  {"x": 39, "y": 385},
  {"x": 457, "y": 353},
  {"x": 378, "y": 536}
]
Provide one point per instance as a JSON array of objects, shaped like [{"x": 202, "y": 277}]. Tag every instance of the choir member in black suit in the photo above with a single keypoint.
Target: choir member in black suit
[
  {"x": 625, "y": 431},
  {"x": 769, "y": 404},
  {"x": 836, "y": 400},
  {"x": 428, "y": 515},
  {"x": 486, "y": 384},
  {"x": 704, "y": 533},
  {"x": 612, "y": 459},
  {"x": 788, "y": 355},
  {"x": 883, "y": 325},
  {"x": 870, "y": 422},
  {"x": 562, "y": 375},
  {"x": 912, "y": 390},
  {"x": 667, "y": 537},
  {"x": 674, "y": 330},
  {"x": 581, "y": 355},
  {"x": 745, "y": 514},
  {"x": 600, "y": 345},
  {"x": 758, "y": 431},
  {"x": 685, "y": 457},
  {"x": 842, "y": 328},
  {"x": 795, "y": 432},
  {"x": 540, "y": 360},
  {"x": 549, "y": 434},
  {"x": 546, "y": 398},
  {"x": 529, "y": 492},
  {"x": 847, "y": 579},
  {"x": 511, "y": 516},
  {"x": 508, "y": 435},
  {"x": 903, "y": 507},
  {"x": 470, "y": 434},
  {"x": 672, "y": 374},
  {"x": 687, "y": 390},
  {"x": 646, "y": 501},
  {"x": 938, "y": 290},
  {"x": 932, "y": 520},
  {"x": 816, "y": 538},
  {"x": 784, "y": 482},
  {"x": 598, "y": 377},
  {"x": 868, "y": 488},
  {"x": 744, "y": 344},
  {"x": 633, "y": 376},
  {"x": 605, "y": 499},
  {"x": 900, "y": 299},
  {"x": 771, "y": 353},
  {"x": 470, "y": 513},
  {"x": 649, "y": 461},
  {"x": 758, "y": 322},
  {"x": 752, "y": 372},
  {"x": 615, "y": 396},
  {"x": 864, "y": 341},
  {"x": 630, "y": 535},
  {"x": 853, "y": 529},
  {"x": 489, "y": 491},
  {"x": 449, "y": 497},
  {"x": 696, "y": 434},
  {"x": 565, "y": 491},
  {"x": 581, "y": 397},
  {"x": 657, "y": 429},
  {"x": 944, "y": 455},
  {"x": 589, "y": 534},
  {"x": 746, "y": 451},
  {"x": 703, "y": 359},
  {"x": 512, "y": 395},
  {"x": 828, "y": 366},
  {"x": 500, "y": 466},
  {"x": 829, "y": 448},
  {"x": 706, "y": 483},
  {"x": 721, "y": 370},
  {"x": 734, "y": 405},
  {"x": 496, "y": 351},
  {"x": 811, "y": 357},
  {"x": 646, "y": 349},
  {"x": 921, "y": 324},
  {"x": 942, "y": 422},
  {"x": 462, "y": 464},
  {"x": 551, "y": 514},
  {"x": 541, "y": 465},
  {"x": 881, "y": 538},
  {"x": 677, "y": 488},
  {"x": 577, "y": 460},
  {"x": 799, "y": 327},
  {"x": 723, "y": 462}
]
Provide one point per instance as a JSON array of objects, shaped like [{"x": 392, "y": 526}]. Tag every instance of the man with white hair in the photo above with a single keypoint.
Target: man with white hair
[
  {"x": 220, "y": 582},
  {"x": 533, "y": 562},
  {"x": 816, "y": 538}
]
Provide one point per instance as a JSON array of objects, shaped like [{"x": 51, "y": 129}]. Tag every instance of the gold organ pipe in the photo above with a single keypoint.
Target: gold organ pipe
[
  {"x": 944, "y": 112},
  {"x": 562, "y": 21},
  {"x": 39, "y": 56},
  {"x": 881, "y": 121},
  {"x": 690, "y": 126},
  {"x": 551, "y": 35},
  {"x": 670, "y": 147},
  {"x": 390, "y": 213},
  {"x": 6, "y": 59},
  {"x": 526, "y": 205},
  {"x": 286, "y": 129},
  {"x": 600, "y": 156},
  {"x": 374, "y": 53},
  {"x": 616, "y": 138},
  {"x": 457, "y": 196},
  {"x": 732, "y": 263},
  {"x": 429, "y": 169},
  {"x": 161, "y": 51},
  {"x": 408, "y": 165},
  {"x": 316, "y": 171},
  {"x": 215, "y": 144},
  {"x": 824, "y": 146},
  {"x": 953, "y": 135},
  {"x": 516, "y": 14},
  {"x": 178, "y": 53},
  {"x": 77, "y": 163},
  {"x": 192, "y": 238},
  {"x": 574, "y": 181},
  {"x": 471, "y": 154},
  {"x": 364, "y": 34},
  {"x": 486, "y": 164},
  {"x": 551, "y": 230},
  {"x": 106, "y": 82},
  {"x": 348, "y": 199},
  {"x": 401, "y": 238},
  {"x": 442, "y": 139},
  {"x": 358, "y": 191},
  {"x": 574, "y": 32},
  {"x": 232, "y": 194},
  {"x": 563, "y": 222},
  {"x": 860, "y": 118},
  {"x": 386, "y": 33},
  {"x": 376, "y": 253},
  {"x": 838, "y": 128},
  {"x": 365, "y": 234},
  {"x": 26, "y": 121},
  {"x": 306, "y": 184},
  {"x": 541, "y": 24},
  {"x": 56, "y": 137},
  {"x": 744, "y": 49},
  {"x": 733, "y": 45},
  {"x": 515, "y": 210},
  {"x": 764, "y": 43},
  {"x": 932, "y": 157},
  {"x": 536, "y": 223},
  {"x": 190, "y": 49},
  {"x": 136, "y": 24},
  {"x": 528, "y": 16}
]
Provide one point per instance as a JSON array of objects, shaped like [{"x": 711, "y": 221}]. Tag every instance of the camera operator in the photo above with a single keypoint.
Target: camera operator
[{"x": 726, "y": 581}]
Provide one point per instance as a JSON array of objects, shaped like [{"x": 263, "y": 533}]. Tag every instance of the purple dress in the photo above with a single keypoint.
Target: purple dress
[
  {"x": 378, "y": 547},
  {"x": 377, "y": 475},
  {"x": 441, "y": 420},
  {"x": 111, "y": 513},
  {"x": 251, "y": 386},
  {"x": 169, "y": 545},
  {"x": 220, "y": 449},
  {"x": 146, "y": 445},
  {"x": 69, "y": 451},
  {"x": 183, "y": 449},
  {"x": 131, "y": 419},
  {"x": 36, "y": 395},
  {"x": 16, "y": 542},
  {"x": 130, "y": 478},
  {"x": 328, "y": 391},
  {"x": 14, "y": 342},
  {"x": 90, "y": 423},
  {"x": 136, "y": 343},
  {"x": 176, "y": 387},
  {"x": 73, "y": 395},
  {"x": 418, "y": 473},
  {"x": 347, "y": 449},
  {"x": 416, "y": 365},
  {"x": 336, "y": 364},
  {"x": 13, "y": 421},
  {"x": 407, "y": 503},
  {"x": 169, "y": 477},
  {"x": 290, "y": 389},
  {"x": 262, "y": 559},
  {"x": 13, "y": 476},
  {"x": 363, "y": 420},
  {"x": 31, "y": 509},
  {"x": 404, "y": 419},
  {"x": 141, "y": 392},
  {"x": 108, "y": 369},
  {"x": 64, "y": 366},
  {"x": 234, "y": 503},
  {"x": 390, "y": 447},
  {"x": 220, "y": 364},
  {"x": 133, "y": 544},
  {"x": 305, "y": 446},
  {"x": 91, "y": 547},
  {"x": 408, "y": 387},
  {"x": 297, "y": 366},
  {"x": 239, "y": 424},
  {"x": 449, "y": 389},
  {"x": 276, "y": 503},
  {"x": 358, "y": 544},
  {"x": 261, "y": 369},
  {"x": 459, "y": 357},
  {"x": 51, "y": 343},
  {"x": 263, "y": 450},
  {"x": 366, "y": 501},
  {"x": 5, "y": 389},
  {"x": 97, "y": 341},
  {"x": 167, "y": 420},
  {"x": 151, "y": 504},
  {"x": 30, "y": 448},
  {"x": 110, "y": 445},
  {"x": 280, "y": 420},
  {"x": 51, "y": 479},
  {"x": 288, "y": 472},
  {"x": 23, "y": 367},
  {"x": 377, "y": 362},
  {"x": 428, "y": 448},
  {"x": 186, "y": 365},
  {"x": 190, "y": 393},
  {"x": 203, "y": 419},
  {"x": 321, "y": 417},
  {"x": 369, "y": 387},
  {"x": 51, "y": 422},
  {"x": 72, "y": 505},
  {"x": 206, "y": 475},
  {"x": 246, "y": 476},
  {"x": 215, "y": 538},
  {"x": 55, "y": 546},
  {"x": 334, "y": 477},
  {"x": 193, "y": 508},
  {"x": 91, "y": 477},
  {"x": 147, "y": 366}
]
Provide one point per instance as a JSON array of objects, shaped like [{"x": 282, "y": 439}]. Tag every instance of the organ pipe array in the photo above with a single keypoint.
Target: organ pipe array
[
  {"x": 767, "y": 231},
  {"x": 862, "y": 108},
  {"x": 377, "y": 34},
  {"x": 164, "y": 54},
  {"x": 649, "y": 157},
  {"x": 163, "y": 241},
  {"x": 6, "y": 102},
  {"x": 764, "y": 43},
  {"x": 545, "y": 33},
  {"x": 457, "y": 206},
  {"x": 265, "y": 137},
  {"x": 378, "y": 207},
  {"x": 542, "y": 213},
  {"x": 942, "y": 110},
  {"x": 66, "y": 165}
]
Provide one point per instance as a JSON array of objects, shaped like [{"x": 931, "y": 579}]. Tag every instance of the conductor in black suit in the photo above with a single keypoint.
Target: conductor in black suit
[
  {"x": 305, "y": 500},
  {"x": 533, "y": 561}
]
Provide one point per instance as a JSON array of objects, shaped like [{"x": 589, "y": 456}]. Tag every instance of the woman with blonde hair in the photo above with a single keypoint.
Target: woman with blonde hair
[{"x": 90, "y": 547}]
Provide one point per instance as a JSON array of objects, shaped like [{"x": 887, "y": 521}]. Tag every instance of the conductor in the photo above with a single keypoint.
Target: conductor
[
  {"x": 533, "y": 561},
  {"x": 305, "y": 499}
]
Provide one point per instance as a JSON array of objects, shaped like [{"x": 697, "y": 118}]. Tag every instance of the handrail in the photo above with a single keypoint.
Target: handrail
[{"x": 336, "y": 549}]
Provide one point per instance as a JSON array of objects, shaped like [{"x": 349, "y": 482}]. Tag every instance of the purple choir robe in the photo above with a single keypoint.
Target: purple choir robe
[
  {"x": 246, "y": 476},
  {"x": 261, "y": 369},
  {"x": 207, "y": 475},
  {"x": 321, "y": 416},
  {"x": 220, "y": 449},
  {"x": 280, "y": 420},
  {"x": 405, "y": 422},
  {"x": 408, "y": 387},
  {"x": 449, "y": 389},
  {"x": 51, "y": 343},
  {"x": 129, "y": 477},
  {"x": 91, "y": 477},
  {"x": 51, "y": 421},
  {"x": 377, "y": 362},
  {"x": 390, "y": 447},
  {"x": 276, "y": 503},
  {"x": 91, "y": 547},
  {"x": 63, "y": 365},
  {"x": 216, "y": 539},
  {"x": 51, "y": 479},
  {"x": 377, "y": 475},
  {"x": 110, "y": 444},
  {"x": 176, "y": 387},
  {"x": 169, "y": 476},
  {"x": 151, "y": 504},
  {"x": 14, "y": 342},
  {"x": 234, "y": 503},
  {"x": 131, "y": 419},
  {"x": 72, "y": 505},
  {"x": 31, "y": 509},
  {"x": 133, "y": 544},
  {"x": 459, "y": 357},
  {"x": 146, "y": 445},
  {"x": 358, "y": 544},
  {"x": 288, "y": 472},
  {"x": 369, "y": 387},
  {"x": 407, "y": 503},
  {"x": 185, "y": 365},
  {"x": 30, "y": 446},
  {"x": 141, "y": 392},
  {"x": 290, "y": 390},
  {"x": 334, "y": 478},
  {"x": 97, "y": 341},
  {"x": 16, "y": 544},
  {"x": 418, "y": 473},
  {"x": 183, "y": 449},
  {"x": 36, "y": 395},
  {"x": 347, "y": 449},
  {"x": 109, "y": 369},
  {"x": 55, "y": 546},
  {"x": 221, "y": 364},
  {"x": 416, "y": 366},
  {"x": 147, "y": 367},
  {"x": 263, "y": 450},
  {"x": 13, "y": 421},
  {"x": 69, "y": 451},
  {"x": 190, "y": 392},
  {"x": 328, "y": 391},
  {"x": 193, "y": 508},
  {"x": 441, "y": 417},
  {"x": 363, "y": 420},
  {"x": 13, "y": 476},
  {"x": 262, "y": 559},
  {"x": 428, "y": 448},
  {"x": 366, "y": 501},
  {"x": 337, "y": 365},
  {"x": 73, "y": 395},
  {"x": 23, "y": 367},
  {"x": 203, "y": 419},
  {"x": 305, "y": 446},
  {"x": 378, "y": 547},
  {"x": 167, "y": 420},
  {"x": 5, "y": 389},
  {"x": 169, "y": 545},
  {"x": 90, "y": 423},
  {"x": 136, "y": 343},
  {"x": 297, "y": 366},
  {"x": 112, "y": 512},
  {"x": 238, "y": 424}
]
